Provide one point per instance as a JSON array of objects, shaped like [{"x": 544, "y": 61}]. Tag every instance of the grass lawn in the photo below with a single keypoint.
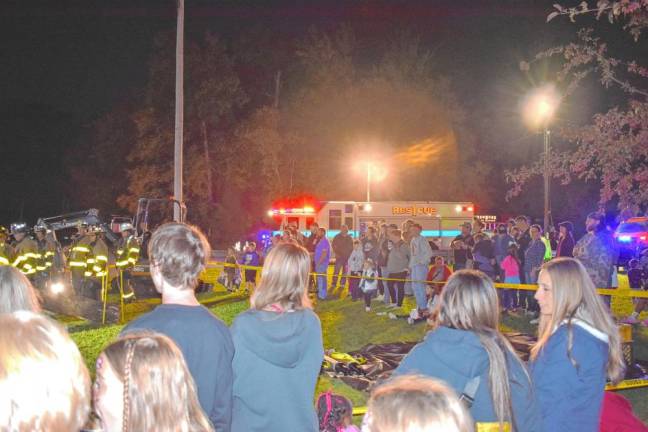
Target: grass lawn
[{"x": 346, "y": 327}]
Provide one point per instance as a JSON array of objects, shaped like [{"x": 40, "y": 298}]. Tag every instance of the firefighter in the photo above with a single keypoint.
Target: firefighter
[
  {"x": 126, "y": 255},
  {"x": 78, "y": 258},
  {"x": 47, "y": 249},
  {"x": 6, "y": 251},
  {"x": 96, "y": 262},
  {"x": 25, "y": 250}
]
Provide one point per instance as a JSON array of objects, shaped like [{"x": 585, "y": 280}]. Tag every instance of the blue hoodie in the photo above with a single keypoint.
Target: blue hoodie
[
  {"x": 570, "y": 398},
  {"x": 456, "y": 357},
  {"x": 276, "y": 363}
]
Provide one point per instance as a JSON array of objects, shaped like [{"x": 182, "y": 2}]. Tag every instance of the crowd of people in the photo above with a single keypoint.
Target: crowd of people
[{"x": 180, "y": 368}]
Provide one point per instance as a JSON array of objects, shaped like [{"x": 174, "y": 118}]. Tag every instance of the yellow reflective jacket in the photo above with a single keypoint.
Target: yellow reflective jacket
[
  {"x": 97, "y": 262},
  {"x": 26, "y": 256}
]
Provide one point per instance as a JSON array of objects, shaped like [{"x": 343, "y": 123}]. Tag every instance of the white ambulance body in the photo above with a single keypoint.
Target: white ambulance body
[{"x": 440, "y": 220}]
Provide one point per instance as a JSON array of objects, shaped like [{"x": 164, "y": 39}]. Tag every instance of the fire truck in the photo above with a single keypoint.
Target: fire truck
[{"x": 441, "y": 221}]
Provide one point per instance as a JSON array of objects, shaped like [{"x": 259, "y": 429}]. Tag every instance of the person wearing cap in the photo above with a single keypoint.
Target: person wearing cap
[
  {"x": 565, "y": 240},
  {"x": 420, "y": 255},
  {"x": 6, "y": 252},
  {"x": 25, "y": 250},
  {"x": 596, "y": 251},
  {"x": 462, "y": 246}
]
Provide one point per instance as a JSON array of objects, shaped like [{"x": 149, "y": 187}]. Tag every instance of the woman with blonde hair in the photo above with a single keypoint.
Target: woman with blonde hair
[
  {"x": 466, "y": 350},
  {"x": 411, "y": 403},
  {"x": 278, "y": 349},
  {"x": 578, "y": 347},
  {"x": 16, "y": 292},
  {"x": 143, "y": 385},
  {"x": 44, "y": 384}
]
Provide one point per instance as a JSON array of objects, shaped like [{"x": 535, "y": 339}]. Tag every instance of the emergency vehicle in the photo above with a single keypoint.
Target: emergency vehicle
[{"x": 441, "y": 221}]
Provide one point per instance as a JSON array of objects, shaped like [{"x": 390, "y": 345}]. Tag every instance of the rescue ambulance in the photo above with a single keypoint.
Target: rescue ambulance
[{"x": 441, "y": 221}]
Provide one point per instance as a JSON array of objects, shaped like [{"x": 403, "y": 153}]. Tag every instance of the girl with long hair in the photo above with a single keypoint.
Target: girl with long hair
[
  {"x": 578, "y": 347},
  {"x": 466, "y": 350},
  {"x": 278, "y": 349},
  {"x": 143, "y": 385},
  {"x": 16, "y": 292}
]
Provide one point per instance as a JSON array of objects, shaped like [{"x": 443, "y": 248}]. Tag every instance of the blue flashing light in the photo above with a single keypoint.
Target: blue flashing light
[
  {"x": 625, "y": 238},
  {"x": 355, "y": 234}
]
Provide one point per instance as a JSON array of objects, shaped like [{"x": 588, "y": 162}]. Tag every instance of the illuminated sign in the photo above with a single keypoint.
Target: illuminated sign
[
  {"x": 487, "y": 218},
  {"x": 414, "y": 211}
]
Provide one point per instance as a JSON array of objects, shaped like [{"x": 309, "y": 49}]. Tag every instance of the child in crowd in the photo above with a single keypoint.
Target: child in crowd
[
  {"x": 415, "y": 403},
  {"x": 437, "y": 276},
  {"x": 368, "y": 284},
  {"x": 578, "y": 348},
  {"x": 511, "y": 268},
  {"x": 250, "y": 258},
  {"x": 355, "y": 263},
  {"x": 335, "y": 413},
  {"x": 128, "y": 399},
  {"x": 44, "y": 383},
  {"x": 231, "y": 269},
  {"x": 637, "y": 279}
]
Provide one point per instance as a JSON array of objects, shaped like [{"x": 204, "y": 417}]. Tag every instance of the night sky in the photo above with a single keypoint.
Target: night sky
[{"x": 65, "y": 63}]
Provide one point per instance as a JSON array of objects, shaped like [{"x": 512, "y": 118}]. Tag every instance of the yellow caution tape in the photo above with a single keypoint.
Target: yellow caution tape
[{"x": 628, "y": 384}]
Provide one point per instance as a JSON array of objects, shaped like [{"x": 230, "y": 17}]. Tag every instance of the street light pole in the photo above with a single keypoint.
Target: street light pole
[
  {"x": 547, "y": 209},
  {"x": 368, "y": 182},
  {"x": 179, "y": 113}
]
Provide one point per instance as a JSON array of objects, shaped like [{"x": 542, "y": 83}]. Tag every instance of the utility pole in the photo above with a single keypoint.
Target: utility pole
[
  {"x": 547, "y": 208},
  {"x": 179, "y": 113}
]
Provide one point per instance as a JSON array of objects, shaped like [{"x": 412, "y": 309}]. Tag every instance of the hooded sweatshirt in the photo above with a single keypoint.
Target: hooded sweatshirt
[
  {"x": 456, "y": 357},
  {"x": 277, "y": 360},
  {"x": 570, "y": 398}
]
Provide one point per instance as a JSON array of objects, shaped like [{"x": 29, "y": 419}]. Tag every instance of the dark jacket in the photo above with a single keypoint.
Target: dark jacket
[
  {"x": 570, "y": 398},
  {"x": 457, "y": 356},
  {"x": 276, "y": 364},
  {"x": 566, "y": 246},
  {"x": 342, "y": 247}
]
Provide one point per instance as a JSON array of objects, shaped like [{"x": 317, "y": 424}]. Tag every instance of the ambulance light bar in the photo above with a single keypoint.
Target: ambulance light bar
[
  {"x": 292, "y": 211},
  {"x": 460, "y": 209}
]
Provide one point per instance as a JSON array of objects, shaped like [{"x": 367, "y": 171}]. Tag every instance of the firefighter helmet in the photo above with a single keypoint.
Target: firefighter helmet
[
  {"x": 19, "y": 227},
  {"x": 42, "y": 228},
  {"x": 126, "y": 226}
]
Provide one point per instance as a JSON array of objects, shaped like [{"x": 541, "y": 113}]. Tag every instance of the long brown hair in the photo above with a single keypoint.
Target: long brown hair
[
  {"x": 284, "y": 278},
  {"x": 16, "y": 292},
  {"x": 469, "y": 302},
  {"x": 159, "y": 392},
  {"x": 575, "y": 298}
]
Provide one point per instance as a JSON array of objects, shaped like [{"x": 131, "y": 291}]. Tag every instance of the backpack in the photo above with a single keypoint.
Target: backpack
[{"x": 331, "y": 411}]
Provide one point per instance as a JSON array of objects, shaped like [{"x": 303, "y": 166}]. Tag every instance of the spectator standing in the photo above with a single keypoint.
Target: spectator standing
[
  {"x": 565, "y": 240},
  {"x": 279, "y": 349},
  {"x": 44, "y": 383},
  {"x": 578, "y": 348},
  {"x": 368, "y": 284},
  {"x": 342, "y": 248},
  {"x": 381, "y": 264},
  {"x": 533, "y": 260},
  {"x": 596, "y": 251},
  {"x": 322, "y": 258},
  {"x": 637, "y": 279},
  {"x": 484, "y": 255},
  {"x": 356, "y": 263},
  {"x": 462, "y": 246},
  {"x": 501, "y": 242},
  {"x": 406, "y": 228},
  {"x": 311, "y": 240},
  {"x": 397, "y": 268},
  {"x": 128, "y": 399},
  {"x": 511, "y": 270},
  {"x": 250, "y": 258},
  {"x": 420, "y": 255},
  {"x": 370, "y": 244},
  {"x": 178, "y": 254},
  {"x": 415, "y": 403},
  {"x": 523, "y": 242},
  {"x": 467, "y": 351},
  {"x": 230, "y": 270}
]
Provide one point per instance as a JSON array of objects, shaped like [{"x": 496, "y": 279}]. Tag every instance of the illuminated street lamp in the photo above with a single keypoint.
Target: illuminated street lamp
[
  {"x": 539, "y": 109},
  {"x": 374, "y": 173}
]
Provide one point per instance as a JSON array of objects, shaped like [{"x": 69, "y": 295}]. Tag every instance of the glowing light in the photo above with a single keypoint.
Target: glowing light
[
  {"x": 540, "y": 106},
  {"x": 625, "y": 238},
  {"x": 642, "y": 238},
  {"x": 470, "y": 208},
  {"x": 458, "y": 209},
  {"x": 270, "y": 213},
  {"x": 57, "y": 288},
  {"x": 282, "y": 211},
  {"x": 367, "y": 207},
  {"x": 309, "y": 210}
]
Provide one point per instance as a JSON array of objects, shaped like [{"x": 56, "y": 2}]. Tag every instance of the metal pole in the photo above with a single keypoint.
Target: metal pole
[
  {"x": 179, "y": 112},
  {"x": 368, "y": 182},
  {"x": 547, "y": 210}
]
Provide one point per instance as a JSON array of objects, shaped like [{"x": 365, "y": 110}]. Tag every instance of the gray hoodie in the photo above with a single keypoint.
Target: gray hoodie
[{"x": 276, "y": 364}]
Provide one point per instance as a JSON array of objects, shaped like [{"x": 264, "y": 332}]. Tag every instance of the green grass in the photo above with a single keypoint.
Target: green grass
[{"x": 346, "y": 327}]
